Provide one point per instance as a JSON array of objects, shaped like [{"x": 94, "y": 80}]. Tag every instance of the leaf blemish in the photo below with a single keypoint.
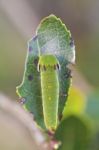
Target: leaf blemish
[
  {"x": 63, "y": 94},
  {"x": 34, "y": 38},
  {"x": 71, "y": 42},
  {"x": 22, "y": 101},
  {"x": 68, "y": 74},
  {"x": 30, "y": 77},
  {"x": 30, "y": 48}
]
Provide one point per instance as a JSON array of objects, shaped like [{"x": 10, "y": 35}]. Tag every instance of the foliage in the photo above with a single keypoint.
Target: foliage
[
  {"x": 73, "y": 134},
  {"x": 52, "y": 38}
]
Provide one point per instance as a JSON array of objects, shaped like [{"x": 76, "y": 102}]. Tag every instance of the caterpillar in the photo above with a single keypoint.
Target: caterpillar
[{"x": 48, "y": 66}]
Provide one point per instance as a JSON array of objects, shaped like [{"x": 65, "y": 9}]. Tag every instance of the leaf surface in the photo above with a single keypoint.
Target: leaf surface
[
  {"x": 52, "y": 37},
  {"x": 73, "y": 134},
  {"x": 30, "y": 89}
]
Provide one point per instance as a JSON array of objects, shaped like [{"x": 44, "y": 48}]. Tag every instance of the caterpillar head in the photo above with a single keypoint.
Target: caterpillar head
[{"x": 48, "y": 61}]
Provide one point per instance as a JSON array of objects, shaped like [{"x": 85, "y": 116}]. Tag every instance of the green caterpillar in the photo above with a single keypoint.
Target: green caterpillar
[{"x": 48, "y": 66}]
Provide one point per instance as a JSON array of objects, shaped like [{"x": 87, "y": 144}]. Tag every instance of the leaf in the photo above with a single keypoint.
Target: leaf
[
  {"x": 64, "y": 82},
  {"x": 73, "y": 134},
  {"x": 55, "y": 39},
  {"x": 52, "y": 38},
  {"x": 30, "y": 89}
]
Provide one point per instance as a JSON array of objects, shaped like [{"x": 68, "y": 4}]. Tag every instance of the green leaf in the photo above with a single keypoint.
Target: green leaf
[
  {"x": 64, "y": 82},
  {"x": 73, "y": 134},
  {"x": 55, "y": 39},
  {"x": 30, "y": 89},
  {"x": 52, "y": 38}
]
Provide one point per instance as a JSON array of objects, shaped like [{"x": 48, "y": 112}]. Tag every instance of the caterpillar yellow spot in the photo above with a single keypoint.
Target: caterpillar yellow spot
[{"x": 48, "y": 66}]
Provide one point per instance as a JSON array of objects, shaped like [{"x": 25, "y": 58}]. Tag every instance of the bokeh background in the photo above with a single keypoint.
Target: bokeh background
[{"x": 18, "y": 22}]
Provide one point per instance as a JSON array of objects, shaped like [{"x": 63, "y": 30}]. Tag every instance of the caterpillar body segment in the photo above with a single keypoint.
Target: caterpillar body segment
[{"x": 48, "y": 66}]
